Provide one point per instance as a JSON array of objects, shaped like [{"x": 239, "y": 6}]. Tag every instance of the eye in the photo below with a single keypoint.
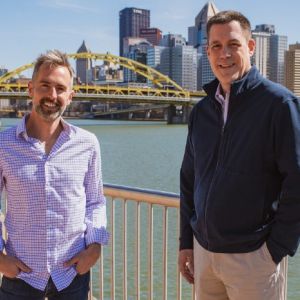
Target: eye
[
  {"x": 215, "y": 46},
  {"x": 234, "y": 44},
  {"x": 61, "y": 89},
  {"x": 44, "y": 86}
]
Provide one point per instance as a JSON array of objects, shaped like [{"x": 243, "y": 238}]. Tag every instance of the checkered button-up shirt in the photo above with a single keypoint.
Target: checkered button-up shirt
[{"x": 55, "y": 202}]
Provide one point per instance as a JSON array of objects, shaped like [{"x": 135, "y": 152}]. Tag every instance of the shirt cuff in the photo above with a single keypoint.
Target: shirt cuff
[
  {"x": 2, "y": 244},
  {"x": 97, "y": 235}
]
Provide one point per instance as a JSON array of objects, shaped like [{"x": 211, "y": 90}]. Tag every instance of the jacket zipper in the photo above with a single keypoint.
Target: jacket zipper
[{"x": 213, "y": 179}]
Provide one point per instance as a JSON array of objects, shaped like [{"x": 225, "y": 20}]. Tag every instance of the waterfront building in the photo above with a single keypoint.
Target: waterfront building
[
  {"x": 131, "y": 20},
  {"x": 178, "y": 60},
  {"x": 128, "y": 42},
  {"x": 261, "y": 56},
  {"x": 269, "y": 52},
  {"x": 278, "y": 46},
  {"x": 137, "y": 52},
  {"x": 184, "y": 66},
  {"x": 198, "y": 39},
  {"x": 172, "y": 40},
  {"x": 292, "y": 68},
  {"x": 175, "y": 59},
  {"x": 106, "y": 73},
  {"x": 192, "y": 36},
  {"x": 152, "y": 35},
  {"x": 269, "y": 28},
  {"x": 154, "y": 59},
  {"x": 83, "y": 66}
]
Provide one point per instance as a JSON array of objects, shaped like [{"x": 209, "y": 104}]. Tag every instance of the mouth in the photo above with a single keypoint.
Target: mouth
[
  {"x": 49, "y": 104},
  {"x": 226, "y": 66}
]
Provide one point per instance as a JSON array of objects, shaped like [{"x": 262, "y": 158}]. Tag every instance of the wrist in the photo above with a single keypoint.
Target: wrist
[{"x": 95, "y": 246}]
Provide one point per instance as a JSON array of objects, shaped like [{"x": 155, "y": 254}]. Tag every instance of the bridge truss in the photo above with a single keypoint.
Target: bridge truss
[{"x": 164, "y": 89}]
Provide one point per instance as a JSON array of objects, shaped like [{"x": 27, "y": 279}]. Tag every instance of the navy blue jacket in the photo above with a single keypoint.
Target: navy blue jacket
[{"x": 240, "y": 183}]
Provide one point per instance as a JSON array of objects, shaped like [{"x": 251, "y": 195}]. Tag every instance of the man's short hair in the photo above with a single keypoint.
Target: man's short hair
[
  {"x": 52, "y": 58},
  {"x": 226, "y": 16}
]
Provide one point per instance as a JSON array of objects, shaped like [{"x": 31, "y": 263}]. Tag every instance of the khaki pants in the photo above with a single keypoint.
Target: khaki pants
[{"x": 238, "y": 276}]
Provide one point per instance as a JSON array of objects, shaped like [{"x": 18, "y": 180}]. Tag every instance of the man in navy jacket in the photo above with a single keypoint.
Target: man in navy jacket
[{"x": 240, "y": 175}]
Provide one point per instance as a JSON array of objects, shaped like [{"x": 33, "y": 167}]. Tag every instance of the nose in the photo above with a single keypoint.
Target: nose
[
  {"x": 53, "y": 93},
  {"x": 225, "y": 52}
]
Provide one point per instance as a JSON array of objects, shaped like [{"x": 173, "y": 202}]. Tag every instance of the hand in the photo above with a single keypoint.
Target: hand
[
  {"x": 11, "y": 266},
  {"x": 186, "y": 264},
  {"x": 85, "y": 259}
]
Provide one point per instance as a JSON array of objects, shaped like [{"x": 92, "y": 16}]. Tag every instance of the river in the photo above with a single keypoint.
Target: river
[{"x": 148, "y": 155}]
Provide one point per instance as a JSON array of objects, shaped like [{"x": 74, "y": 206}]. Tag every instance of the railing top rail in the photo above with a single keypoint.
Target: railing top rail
[{"x": 142, "y": 195}]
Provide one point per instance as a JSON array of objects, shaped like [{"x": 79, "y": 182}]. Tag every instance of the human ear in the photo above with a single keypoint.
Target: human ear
[{"x": 251, "y": 46}]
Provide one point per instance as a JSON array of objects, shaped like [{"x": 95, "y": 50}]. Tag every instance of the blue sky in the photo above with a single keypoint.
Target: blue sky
[{"x": 30, "y": 27}]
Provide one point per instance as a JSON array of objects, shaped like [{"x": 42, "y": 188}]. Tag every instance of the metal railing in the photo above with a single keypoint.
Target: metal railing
[{"x": 140, "y": 261}]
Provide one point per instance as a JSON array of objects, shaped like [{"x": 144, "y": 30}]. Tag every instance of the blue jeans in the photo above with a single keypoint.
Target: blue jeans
[{"x": 17, "y": 289}]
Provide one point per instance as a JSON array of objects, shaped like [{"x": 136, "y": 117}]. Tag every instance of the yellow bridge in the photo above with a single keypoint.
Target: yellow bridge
[{"x": 164, "y": 90}]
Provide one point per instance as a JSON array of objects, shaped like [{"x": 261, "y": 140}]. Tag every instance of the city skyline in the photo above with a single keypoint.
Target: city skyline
[{"x": 38, "y": 25}]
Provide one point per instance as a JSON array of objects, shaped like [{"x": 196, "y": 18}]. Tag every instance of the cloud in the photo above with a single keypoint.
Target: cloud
[{"x": 66, "y": 5}]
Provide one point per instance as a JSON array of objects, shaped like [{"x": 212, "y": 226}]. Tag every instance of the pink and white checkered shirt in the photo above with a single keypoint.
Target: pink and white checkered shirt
[{"x": 55, "y": 202}]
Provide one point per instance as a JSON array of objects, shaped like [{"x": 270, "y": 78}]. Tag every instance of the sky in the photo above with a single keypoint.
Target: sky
[{"x": 30, "y": 27}]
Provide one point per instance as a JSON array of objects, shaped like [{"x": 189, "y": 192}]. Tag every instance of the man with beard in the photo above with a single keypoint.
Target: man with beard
[{"x": 56, "y": 210}]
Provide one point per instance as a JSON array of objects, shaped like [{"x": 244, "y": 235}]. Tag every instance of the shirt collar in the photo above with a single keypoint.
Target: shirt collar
[
  {"x": 219, "y": 97},
  {"x": 22, "y": 132},
  {"x": 246, "y": 83}
]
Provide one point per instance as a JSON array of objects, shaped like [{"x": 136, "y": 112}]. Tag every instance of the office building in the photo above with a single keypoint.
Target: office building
[
  {"x": 154, "y": 59},
  {"x": 131, "y": 20},
  {"x": 269, "y": 28},
  {"x": 137, "y": 52},
  {"x": 152, "y": 35},
  {"x": 292, "y": 68},
  {"x": 278, "y": 46},
  {"x": 192, "y": 36},
  {"x": 269, "y": 52},
  {"x": 172, "y": 40},
  {"x": 83, "y": 66},
  {"x": 184, "y": 66},
  {"x": 261, "y": 56},
  {"x": 128, "y": 42},
  {"x": 177, "y": 60},
  {"x": 198, "y": 39}
]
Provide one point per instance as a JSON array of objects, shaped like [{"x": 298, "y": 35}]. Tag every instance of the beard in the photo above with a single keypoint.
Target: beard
[{"x": 49, "y": 113}]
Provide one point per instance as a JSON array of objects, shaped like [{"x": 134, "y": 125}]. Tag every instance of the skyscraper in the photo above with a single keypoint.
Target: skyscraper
[
  {"x": 131, "y": 20},
  {"x": 179, "y": 61},
  {"x": 83, "y": 66},
  {"x": 153, "y": 35},
  {"x": 198, "y": 38},
  {"x": 136, "y": 51},
  {"x": 278, "y": 46},
  {"x": 269, "y": 52},
  {"x": 292, "y": 68},
  {"x": 261, "y": 56}
]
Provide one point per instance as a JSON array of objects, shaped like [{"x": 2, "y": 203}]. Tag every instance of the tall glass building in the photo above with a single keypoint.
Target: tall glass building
[
  {"x": 198, "y": 38},
  {"x": 278, "y": 46},
  {"x": 269, "y": 52},
  {"x": 131, "y": 20}
]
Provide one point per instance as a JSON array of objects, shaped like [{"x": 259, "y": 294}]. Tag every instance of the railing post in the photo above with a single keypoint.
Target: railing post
[{"x": 125, "y": 249}]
